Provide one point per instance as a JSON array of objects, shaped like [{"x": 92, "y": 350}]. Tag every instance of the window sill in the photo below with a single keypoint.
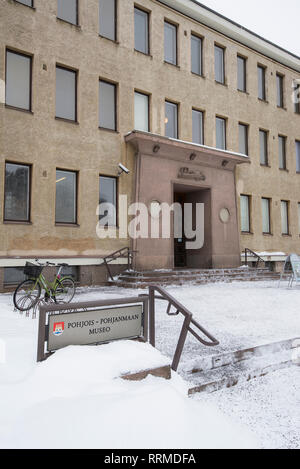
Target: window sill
[
  {"x": 172, "y": 65},
  {"x": 284, "y": 170},
  {"x": 77, "y": 26},
  {"x": 220, "y": 83},
  {"x": 263, "y": 101},
  {"x": 28, "y": 6},
  {"x": 67, "y": 225},
  {"x": 109, "y": 130},
  {"x": 14, "y": 108},
  {"x": 268, "y": 234},
  {"x": 8, "y": 222},
  {"x": 68, "y": 121},
  {"x": 114, "y": 41},
  {"x": 200, "y": 75},
  {"x": 243, "y": 92},
  {"x": 265, "y": 166},
  {"x": 282, "y": 108},
  {"x": 286, "y": 235},
  {"x": 246, "y": 233},
  {"x": 144, "y": 53}
]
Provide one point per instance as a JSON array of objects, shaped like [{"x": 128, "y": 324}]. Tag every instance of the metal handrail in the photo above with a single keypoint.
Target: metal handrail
[
  {"x": 259, "y": 259},
  {"x": 120, "y": 254},
  {"x": 188, "y": 321}
]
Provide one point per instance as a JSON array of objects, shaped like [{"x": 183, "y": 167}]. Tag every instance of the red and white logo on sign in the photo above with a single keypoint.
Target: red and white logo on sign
[{"x": 58, "y": 328}]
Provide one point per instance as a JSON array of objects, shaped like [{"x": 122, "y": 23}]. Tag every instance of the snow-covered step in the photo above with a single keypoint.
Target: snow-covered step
[{"x": 213, "y": 373}]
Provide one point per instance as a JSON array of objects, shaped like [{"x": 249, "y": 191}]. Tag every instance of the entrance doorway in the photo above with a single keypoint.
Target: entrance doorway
[{"x": 193, "y": 258}]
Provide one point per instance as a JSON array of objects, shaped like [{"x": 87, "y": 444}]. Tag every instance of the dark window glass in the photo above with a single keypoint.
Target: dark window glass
[
  {"x": 107, "y": 19},
  {"x": 141, "y": 31},
  {"x": 266, "y": 215},
  {"x": 245, "y": 213},
  {"x": 196, "y": 51},
  {"x": 282, "y": 152},
  {"x": 170, "y": 43},
  {"x": 17, "y": 192},
  {"x": 198, "y": 127},
  {"x": 220, "y": 133},
  {"x": 108, "y": 195},
  {"x": 261, "y": 83},
  {"x": 243, "y": 139},
  {"x": 107, "y": 105},
  {"x": 14, "y": 275},
  {"x": 279, "y": 84},
  {"x": 26, "y": 2},
  {"x": 263, "y": 144},
  {"x": 171, "y": 120},
  {"x": 66, "y": 197},
  {"x": 219, "y": 64},
  {"x": 296, "y": 96},
  {"x": 66, "y": 93},
  {"x": 298, "y": 156},
  {"x": 67, "y": 10},
  {"x": 241, "y": 77},
  {"x": 18, "y": 80}
]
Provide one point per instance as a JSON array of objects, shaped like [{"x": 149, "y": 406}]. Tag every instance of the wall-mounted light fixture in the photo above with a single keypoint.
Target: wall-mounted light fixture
[
  {"x": 225, "y": 163},
  {"x": 156, "y": 148},
  {"x": 193, "y": 156}
]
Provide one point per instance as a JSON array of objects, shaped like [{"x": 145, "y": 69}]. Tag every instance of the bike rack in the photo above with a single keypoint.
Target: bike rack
[{"x": 186, "y": 328}]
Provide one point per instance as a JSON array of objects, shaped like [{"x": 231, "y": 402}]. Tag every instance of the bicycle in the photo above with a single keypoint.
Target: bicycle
[{"x": 28, "y": 292}]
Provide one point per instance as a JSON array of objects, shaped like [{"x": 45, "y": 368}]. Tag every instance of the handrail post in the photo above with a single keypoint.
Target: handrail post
[
  {"x": 181, "y": 342},
  {"x": 152, "y": 316}
]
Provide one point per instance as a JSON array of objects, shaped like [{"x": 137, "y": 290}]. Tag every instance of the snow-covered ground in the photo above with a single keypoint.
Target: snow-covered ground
[{"x": 72, "y": 401}]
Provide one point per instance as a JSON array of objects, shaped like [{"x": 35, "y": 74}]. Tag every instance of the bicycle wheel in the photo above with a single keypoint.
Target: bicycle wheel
[
  {"x": 27, "y": 295},
  {"x": 65, "y": 290}
]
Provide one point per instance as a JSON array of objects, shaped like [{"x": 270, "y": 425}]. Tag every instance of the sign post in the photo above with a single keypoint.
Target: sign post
[{"x": 91, "y": 323}]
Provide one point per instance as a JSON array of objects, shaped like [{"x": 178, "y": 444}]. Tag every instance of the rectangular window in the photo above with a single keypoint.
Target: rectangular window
[
  {"x": 66, "y": 94},
  {"x": 280, "y": 95},
  {"x": 108, "y": 19},
  {"x": 18, "y": 80},
  {"x": 170, "y": 43},
  {"x": 17, "y": 192},
  {"x": 261, "y": 71},
  {"x": 282, "y": 152},
  {"x": 196, "y": 53},
  {"x": 299, "y": 218},
  {"x": 220, "y": 64},
  {"x": 13, "y": 275},
  {"x": 29, "y": 3},
  {"x": 263, "y": 144},
  {"x": 108, "y": 195},
  {"x": 67, "y": 10},
  {"x": 171, "y": 120},
  {"x": 243, "y": 139},
  {"x": 242, "y": 73},
  {"x": 266, "y": 215},
  {"x": 220, "y": 133},
  {"x": 298, "y": 156},
  {"x": 66, "y": 197},
  {"x": 245, "y": 213},
  {"x": 141, "y": 31},
  {"x": 107, "y": 105},
  {"x": 141, "y": 112},
  {"x": 285, "y": 217},
  {"x": 198, "y": 127},
  {"x": 296, "y": 96}
]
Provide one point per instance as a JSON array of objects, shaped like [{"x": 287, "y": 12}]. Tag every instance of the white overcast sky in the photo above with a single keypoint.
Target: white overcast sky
[{"x": 275, "y": 20}]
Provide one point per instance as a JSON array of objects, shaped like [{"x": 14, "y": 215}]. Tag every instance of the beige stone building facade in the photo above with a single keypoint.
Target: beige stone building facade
[{"x": 196, "y": 107}]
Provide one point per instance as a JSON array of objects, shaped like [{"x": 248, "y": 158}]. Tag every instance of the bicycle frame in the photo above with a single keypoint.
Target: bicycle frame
[{"x": 50, "y": 287}]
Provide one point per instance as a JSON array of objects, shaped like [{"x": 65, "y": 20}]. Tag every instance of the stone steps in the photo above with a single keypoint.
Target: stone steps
[
  {"x": 133, "y": 279},
  {"x": 211, "y": 374}
]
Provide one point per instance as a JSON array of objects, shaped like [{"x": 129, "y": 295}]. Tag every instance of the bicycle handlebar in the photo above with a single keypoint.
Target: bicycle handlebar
[{"x": 50, "y": 263}]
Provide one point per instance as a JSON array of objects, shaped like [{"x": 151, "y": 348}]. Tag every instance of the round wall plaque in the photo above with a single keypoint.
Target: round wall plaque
[{"x": 224, "y": 215}]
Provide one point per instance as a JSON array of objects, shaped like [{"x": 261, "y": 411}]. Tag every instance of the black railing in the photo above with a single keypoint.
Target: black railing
[
  {"x": 124, "y": 253},
  {"x": 188, "y": 322},
  {"x": 253, "y": 254}
]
